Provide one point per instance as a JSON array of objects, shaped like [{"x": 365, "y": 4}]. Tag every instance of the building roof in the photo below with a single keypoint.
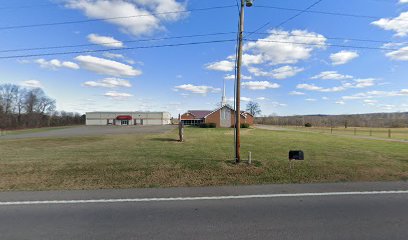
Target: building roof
[
  {"x": 199, "y": 113},
  {"x": 243, "y": 113}
]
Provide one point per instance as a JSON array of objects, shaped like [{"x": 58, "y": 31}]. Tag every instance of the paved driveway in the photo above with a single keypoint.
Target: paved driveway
[{"x": 92, "y": 131}]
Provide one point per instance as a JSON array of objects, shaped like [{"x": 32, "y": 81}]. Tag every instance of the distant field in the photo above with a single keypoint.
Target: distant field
[
  {"x": 393, "y": 133},
  {"x": 158, "y": 160}
]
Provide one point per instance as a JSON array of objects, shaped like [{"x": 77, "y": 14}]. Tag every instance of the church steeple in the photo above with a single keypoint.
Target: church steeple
[{"x": 223, "y": 98}]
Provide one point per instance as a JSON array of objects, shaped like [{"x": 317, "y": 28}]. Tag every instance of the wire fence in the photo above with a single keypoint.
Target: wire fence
[{"x": 391, "y": 133}]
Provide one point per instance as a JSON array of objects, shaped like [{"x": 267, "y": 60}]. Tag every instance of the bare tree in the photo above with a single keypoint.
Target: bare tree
[{"x": 253, "y": 108}]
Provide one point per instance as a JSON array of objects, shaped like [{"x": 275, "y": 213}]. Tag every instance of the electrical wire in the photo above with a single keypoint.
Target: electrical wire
[
  {"x": 112, "y": 18},
  {"x": 288, "y": 19},
  {"x": 193, "y": 36},
  {"x": 114, "y": 42},
  {"x": 326, "y": 13},
  {"x": 116, "y": 49}
]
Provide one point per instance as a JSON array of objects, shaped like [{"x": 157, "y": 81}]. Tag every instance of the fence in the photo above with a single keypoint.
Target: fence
[{"x": 392, "y": 133}]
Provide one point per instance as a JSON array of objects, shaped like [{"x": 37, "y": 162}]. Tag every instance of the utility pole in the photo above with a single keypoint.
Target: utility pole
[{"x": 248, "y": 3}]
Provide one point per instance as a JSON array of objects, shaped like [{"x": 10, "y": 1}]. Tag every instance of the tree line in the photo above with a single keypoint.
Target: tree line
[
  {"x": 22, "y": 107},
  {"x": 379, "y": 120}
]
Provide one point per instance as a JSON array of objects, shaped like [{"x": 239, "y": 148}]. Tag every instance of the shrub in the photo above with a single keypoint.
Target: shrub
[
  {"x": 208, "y": 125},
  {"x": 308, "y": 125},
  {"x": 244, "y": 125}
]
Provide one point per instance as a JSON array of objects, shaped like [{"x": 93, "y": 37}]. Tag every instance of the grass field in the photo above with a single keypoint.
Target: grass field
[
  {"x": 158, "y": 160},
  {"x": 393, "y": 133}
]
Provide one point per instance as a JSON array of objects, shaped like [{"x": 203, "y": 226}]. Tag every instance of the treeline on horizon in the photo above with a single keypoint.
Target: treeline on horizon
[
  {"x": 372, "y": 120},
  {"x": 22, "y": 107}
]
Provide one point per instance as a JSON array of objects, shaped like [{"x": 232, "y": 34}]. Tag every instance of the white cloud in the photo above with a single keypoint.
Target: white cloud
[
  {"x": 109, "y": 83},
  {"x": 261, "y": 98},
  {"x": 312, "y": 87},
  {"x": 296, "y": 93},
  {"x": 223, "y": 66},
  {"x": 113, "y": 55},
  {"x": 105, "y": 41},
  {"x": 399, "y": 55},
  {"x": 278, "y": 104},
  {"x": 144, "y": 22},
  {"x": 340, "y": 102},
  {"x": 197, "y": 89},
  {"x": 107, "y": 67},
  {"x": 356, "y": 83},
  {"x": 259, "y": 85},
  {"x": 403, "y": 1},
  {"x": 398, "y": 24},
  {"x": 377, "y": 94},
  {"x": 278, "y": 73},
  {"x": 343, "y": 57},
  {"x": 370, "y": 102},
  {"x": 248, "y": 59},
  {"x": 31, "y": 84},
  {"x": 281, "y": 47},
  {"x": 232, "y": 77},
  {"x": 117, "y": 95},
  {"x": 362, "y": 83},
  {"x": 243, "y": 99},
  {"x": 332, "y": 75},
  {"x": 54, "y": 64},
  {"x": 311, "y": 99}
]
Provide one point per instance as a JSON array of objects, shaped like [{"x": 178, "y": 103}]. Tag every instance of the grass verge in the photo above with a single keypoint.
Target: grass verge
[{"x": 158, "y": 160}]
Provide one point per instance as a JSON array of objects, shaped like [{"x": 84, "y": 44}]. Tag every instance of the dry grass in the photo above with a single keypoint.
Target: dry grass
[{"x": 158, "y": 160}]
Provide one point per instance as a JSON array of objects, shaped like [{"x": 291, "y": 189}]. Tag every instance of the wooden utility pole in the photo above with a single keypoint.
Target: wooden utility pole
[{"x": 238, "y": 86}]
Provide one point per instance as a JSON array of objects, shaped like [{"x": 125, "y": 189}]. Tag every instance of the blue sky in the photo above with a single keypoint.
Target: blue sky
[{"x": 293, "y": 69}]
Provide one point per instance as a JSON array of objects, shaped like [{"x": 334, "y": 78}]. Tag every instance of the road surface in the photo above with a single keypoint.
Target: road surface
[{"x": 312, "y": 211}]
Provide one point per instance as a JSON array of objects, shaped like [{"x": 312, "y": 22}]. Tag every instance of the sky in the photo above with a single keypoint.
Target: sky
[{"x": 339, "y": 57}]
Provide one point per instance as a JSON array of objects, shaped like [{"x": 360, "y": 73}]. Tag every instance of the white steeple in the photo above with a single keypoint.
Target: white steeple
[{"x": 224, "y": 98}]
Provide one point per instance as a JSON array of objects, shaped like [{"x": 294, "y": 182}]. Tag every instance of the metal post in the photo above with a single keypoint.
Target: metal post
[
  {"x": 238, "y": 86},
  {"x": 389, "y": 133}
]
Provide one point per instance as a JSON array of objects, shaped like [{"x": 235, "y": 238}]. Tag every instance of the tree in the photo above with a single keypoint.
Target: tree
[{"x": 253, "y": 108}]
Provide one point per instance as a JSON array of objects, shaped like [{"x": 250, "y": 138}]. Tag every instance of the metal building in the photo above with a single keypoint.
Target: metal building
[{"x": 128, "y": 118}]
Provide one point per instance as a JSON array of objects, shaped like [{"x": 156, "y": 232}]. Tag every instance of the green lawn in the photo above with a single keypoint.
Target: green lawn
[{"x": 158, "y": 160}]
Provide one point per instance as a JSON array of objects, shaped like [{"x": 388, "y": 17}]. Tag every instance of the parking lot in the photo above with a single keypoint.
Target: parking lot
[{"x": 91, "y": 131}]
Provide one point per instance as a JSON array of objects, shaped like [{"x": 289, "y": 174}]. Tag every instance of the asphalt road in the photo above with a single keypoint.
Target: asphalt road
[
  {"x": 150, "y": 214},
  {"x": 92, "y": 131}
]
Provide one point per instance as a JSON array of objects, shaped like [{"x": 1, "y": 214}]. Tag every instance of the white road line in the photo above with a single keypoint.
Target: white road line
[{"x": 199, "y": 198}]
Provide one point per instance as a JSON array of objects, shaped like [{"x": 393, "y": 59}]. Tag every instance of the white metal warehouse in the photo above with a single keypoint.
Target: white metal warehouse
[{"x": 128, "y": 118}]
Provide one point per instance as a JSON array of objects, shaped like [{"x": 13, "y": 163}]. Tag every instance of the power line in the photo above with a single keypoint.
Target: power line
[
  {"x": 198, "y": 43},
  {"x": 328, "y": 45},
  {"x": 113, "y": 18},
  {"x": 115, "y": 42},
  {"x": 326, "y": 37},
  {"x": 327, "y": 13},
  {"x": 193, "y": 36},
  {"x": 288, "y": 19},
  {"x": 298, "y": 14},
  {"x": 116, "y": 49}
]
